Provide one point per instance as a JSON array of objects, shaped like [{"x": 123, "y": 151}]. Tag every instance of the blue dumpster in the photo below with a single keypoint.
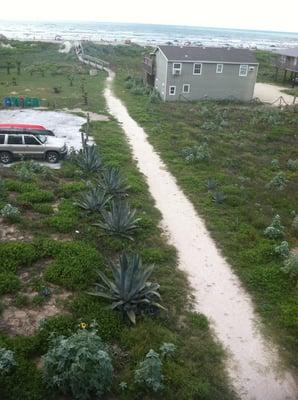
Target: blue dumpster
[{"x": 7, "y": 102}]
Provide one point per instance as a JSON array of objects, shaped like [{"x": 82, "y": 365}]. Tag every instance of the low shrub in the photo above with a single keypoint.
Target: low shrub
[
  {"x": 10, "y": 213},
  {"x": 275, "y": 230},
  {"x": 9, "y": 283},
  {"x": 66, "y": 219},
  {"x": 149, "y": 372},
  {"x": 197, "y": 153},
  {"x": 295, "y": 224},
  {"x": 278, "y": 182},
  {"x": 43, "y": 208},
  {"x": 282, "y": 249},
  {"x": 16, "y": 254},
  {"x": 293, "y": 165},
  {"x": 75, "y": 266},
  {"x": 36, "y": 196},
  {"x": 78, "y": 365},
  {"x": 7, "y": 361},
  {"x": 290, "y": 266},
  {"x": 68, "y": 189}
]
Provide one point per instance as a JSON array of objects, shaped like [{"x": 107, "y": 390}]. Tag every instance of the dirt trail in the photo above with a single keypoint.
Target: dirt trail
[{"x": 253, "y": 361}]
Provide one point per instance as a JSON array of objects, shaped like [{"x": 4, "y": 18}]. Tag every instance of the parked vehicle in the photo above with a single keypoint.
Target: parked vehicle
[
  {"x": 32, "y": 145},
  {"x": 25, "y": 128}
]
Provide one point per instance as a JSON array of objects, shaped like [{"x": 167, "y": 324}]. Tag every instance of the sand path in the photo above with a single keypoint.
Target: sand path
[
  {"x": 253, "y": 363},
  {"x": 268, "y": 93}
]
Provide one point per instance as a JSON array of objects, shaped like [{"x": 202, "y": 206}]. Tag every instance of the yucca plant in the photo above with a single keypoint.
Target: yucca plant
[
  {"x": 94, "y": 200},
  {"x": 129, "y": 291},
  {"x": 89, "y": 159},
  {"x": 113, "y": 183},
  {"x": 120, "y": 220}
]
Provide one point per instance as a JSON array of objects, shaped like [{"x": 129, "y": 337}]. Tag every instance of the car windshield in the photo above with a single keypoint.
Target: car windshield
[{"x": 41, "y": 138}]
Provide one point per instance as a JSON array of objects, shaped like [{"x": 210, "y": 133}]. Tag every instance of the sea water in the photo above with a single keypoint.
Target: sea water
[{"x": 147, "y": 34}]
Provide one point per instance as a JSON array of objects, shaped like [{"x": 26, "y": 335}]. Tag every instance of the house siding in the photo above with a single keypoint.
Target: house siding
[
  {"x": 225, "y": 85},
  {"x": 160, "y": 83}
]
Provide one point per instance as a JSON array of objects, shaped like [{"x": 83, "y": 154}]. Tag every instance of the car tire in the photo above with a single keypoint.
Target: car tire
[
  {"x": 5, "y": 157},
  {"x": 52, "y": 157}
]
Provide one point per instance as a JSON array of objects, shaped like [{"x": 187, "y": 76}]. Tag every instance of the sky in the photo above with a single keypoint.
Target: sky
[{"x": 245, "y": 14}]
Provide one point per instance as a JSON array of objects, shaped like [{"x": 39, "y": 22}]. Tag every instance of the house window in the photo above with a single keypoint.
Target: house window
[
  {"x": 186, "y": 88},
  {"x": 172, "y": 90},
  {"x": 219, "y": 68},
  {"x": 177, "y": 67},
  {"x": 243, "y": 70},
  {"x": 197, "y": 69}
]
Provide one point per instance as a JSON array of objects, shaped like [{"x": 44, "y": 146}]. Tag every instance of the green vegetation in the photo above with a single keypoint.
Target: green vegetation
[
  {"x": 60, "y": 251},
  {"x": 79, "y": 365},
  {"x": 236, "y": 189}
]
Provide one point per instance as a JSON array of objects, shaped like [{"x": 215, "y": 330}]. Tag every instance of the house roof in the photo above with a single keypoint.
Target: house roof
[
  {"x": 290, "y": 52},
  {"x": 212, "y": 54}
]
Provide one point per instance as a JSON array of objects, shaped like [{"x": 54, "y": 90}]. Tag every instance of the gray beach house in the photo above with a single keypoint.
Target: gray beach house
[{"x": 193, "y": 73}]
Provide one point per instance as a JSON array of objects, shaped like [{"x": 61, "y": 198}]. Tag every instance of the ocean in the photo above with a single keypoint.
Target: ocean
[{"x": 144, "y": 34}]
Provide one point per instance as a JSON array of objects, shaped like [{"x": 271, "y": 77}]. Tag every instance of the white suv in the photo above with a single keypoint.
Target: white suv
[{"x": 16, "y": 145}]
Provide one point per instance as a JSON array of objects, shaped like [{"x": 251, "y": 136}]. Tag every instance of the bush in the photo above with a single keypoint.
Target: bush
[
  {"x": 43, "y": 208},
  {"x": 75, "y": 266},
  {"x": 7, "y": 361},
  {"x": 290, "y": 266},
  {"x": 10, "y": 213},
  {"x": 282, "y": 249},
  {"x": 149, "y": 372},
  {"x": 9, "y": 283},
  {"x": 275, "y": 230},
  {"x": 35, "y": 196},
  {"x": 295, "y": 223},
  {"x": 16, "y": 254},
  {"x": 293, "y": 165},
  {"x": 78, "y": 365},
  {"x": 68, "y": 189},
  {"x": 196, "y": 153},
  {"x": 278, "y": 182}
]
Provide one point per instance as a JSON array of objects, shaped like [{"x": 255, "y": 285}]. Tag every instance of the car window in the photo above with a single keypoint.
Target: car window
[
  {"x": 31, "y": 140},
  {"x": 2, "y": 137},
  {"x": 15, "y": 139}
]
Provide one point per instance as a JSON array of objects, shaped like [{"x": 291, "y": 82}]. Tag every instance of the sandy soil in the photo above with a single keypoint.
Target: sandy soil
[
  {"x": 65, "y": 125},
  {"x": 253, "y": 363},
  {"x": 268, "y": 93}
]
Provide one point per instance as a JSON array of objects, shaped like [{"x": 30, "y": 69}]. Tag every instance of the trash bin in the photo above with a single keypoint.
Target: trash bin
[
  {"x": 35, "y": 102},
  {"x": 28, "y": 102},
  {"x": 15, "y": 102},
  {"x": 7, "y": 102}
]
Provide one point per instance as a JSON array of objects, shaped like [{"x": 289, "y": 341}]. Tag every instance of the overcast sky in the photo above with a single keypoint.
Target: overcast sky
[{"x": 246, "y": 14}]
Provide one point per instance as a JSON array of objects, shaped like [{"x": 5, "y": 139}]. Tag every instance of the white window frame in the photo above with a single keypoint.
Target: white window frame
[
  {"x": 194, "y": 68},
  {"x": 241, "y": 66},
  {"x": 188, "y": 85},
  {"x": 219, "y": 68},
  {"x": 170, "y": 87},
  {"x": 177, "y": 69}
]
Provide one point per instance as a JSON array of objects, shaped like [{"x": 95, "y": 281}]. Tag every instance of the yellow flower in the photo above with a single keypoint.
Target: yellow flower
[{"x": 83, "y": 325}]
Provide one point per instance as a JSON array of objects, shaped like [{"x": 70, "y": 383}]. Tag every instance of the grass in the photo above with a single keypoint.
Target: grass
[
  {"x": 249, "y": 145},
  {"x": 64, "y": 253}
]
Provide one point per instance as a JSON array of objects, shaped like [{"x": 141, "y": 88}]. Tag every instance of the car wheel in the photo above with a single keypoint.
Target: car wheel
[
  {"x": 5, "y": 157},
  {"x": 52, "y": 157}
]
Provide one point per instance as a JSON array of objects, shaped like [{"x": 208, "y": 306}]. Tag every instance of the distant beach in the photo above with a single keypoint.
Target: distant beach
[{"x": 145, "y": 34}]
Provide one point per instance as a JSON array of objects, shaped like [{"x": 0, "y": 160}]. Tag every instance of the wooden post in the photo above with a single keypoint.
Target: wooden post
[
  {"x": 83, "y": 140},
  {"x": 88, "y": 122},
  {"x": 276, "y": 73},
  {"x": 285, "y": 75}
]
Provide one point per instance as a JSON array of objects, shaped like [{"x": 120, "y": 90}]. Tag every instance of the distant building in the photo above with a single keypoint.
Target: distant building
[
  {"x": 193, "y": 73},
  {"x": 287, "y": 61}
]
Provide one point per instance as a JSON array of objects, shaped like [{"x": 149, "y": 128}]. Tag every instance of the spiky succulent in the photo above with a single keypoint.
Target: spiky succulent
[
  {"x": 120, "y": 220},
  {"x": 89, "y": 159},
  {"x": 113, "y": 183},
  {"x": 94, "y": 200},
  {"x": 129, "y": 291}
]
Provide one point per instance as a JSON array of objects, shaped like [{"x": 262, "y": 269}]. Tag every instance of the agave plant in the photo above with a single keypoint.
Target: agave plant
[
  {"x": 89, "y": 159},
  {"x": 94, "y": 200},
  {"x": 129, "y": 291},
  {"x": 113, "y": 183},
  {"x": 120, "y": 220}
]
